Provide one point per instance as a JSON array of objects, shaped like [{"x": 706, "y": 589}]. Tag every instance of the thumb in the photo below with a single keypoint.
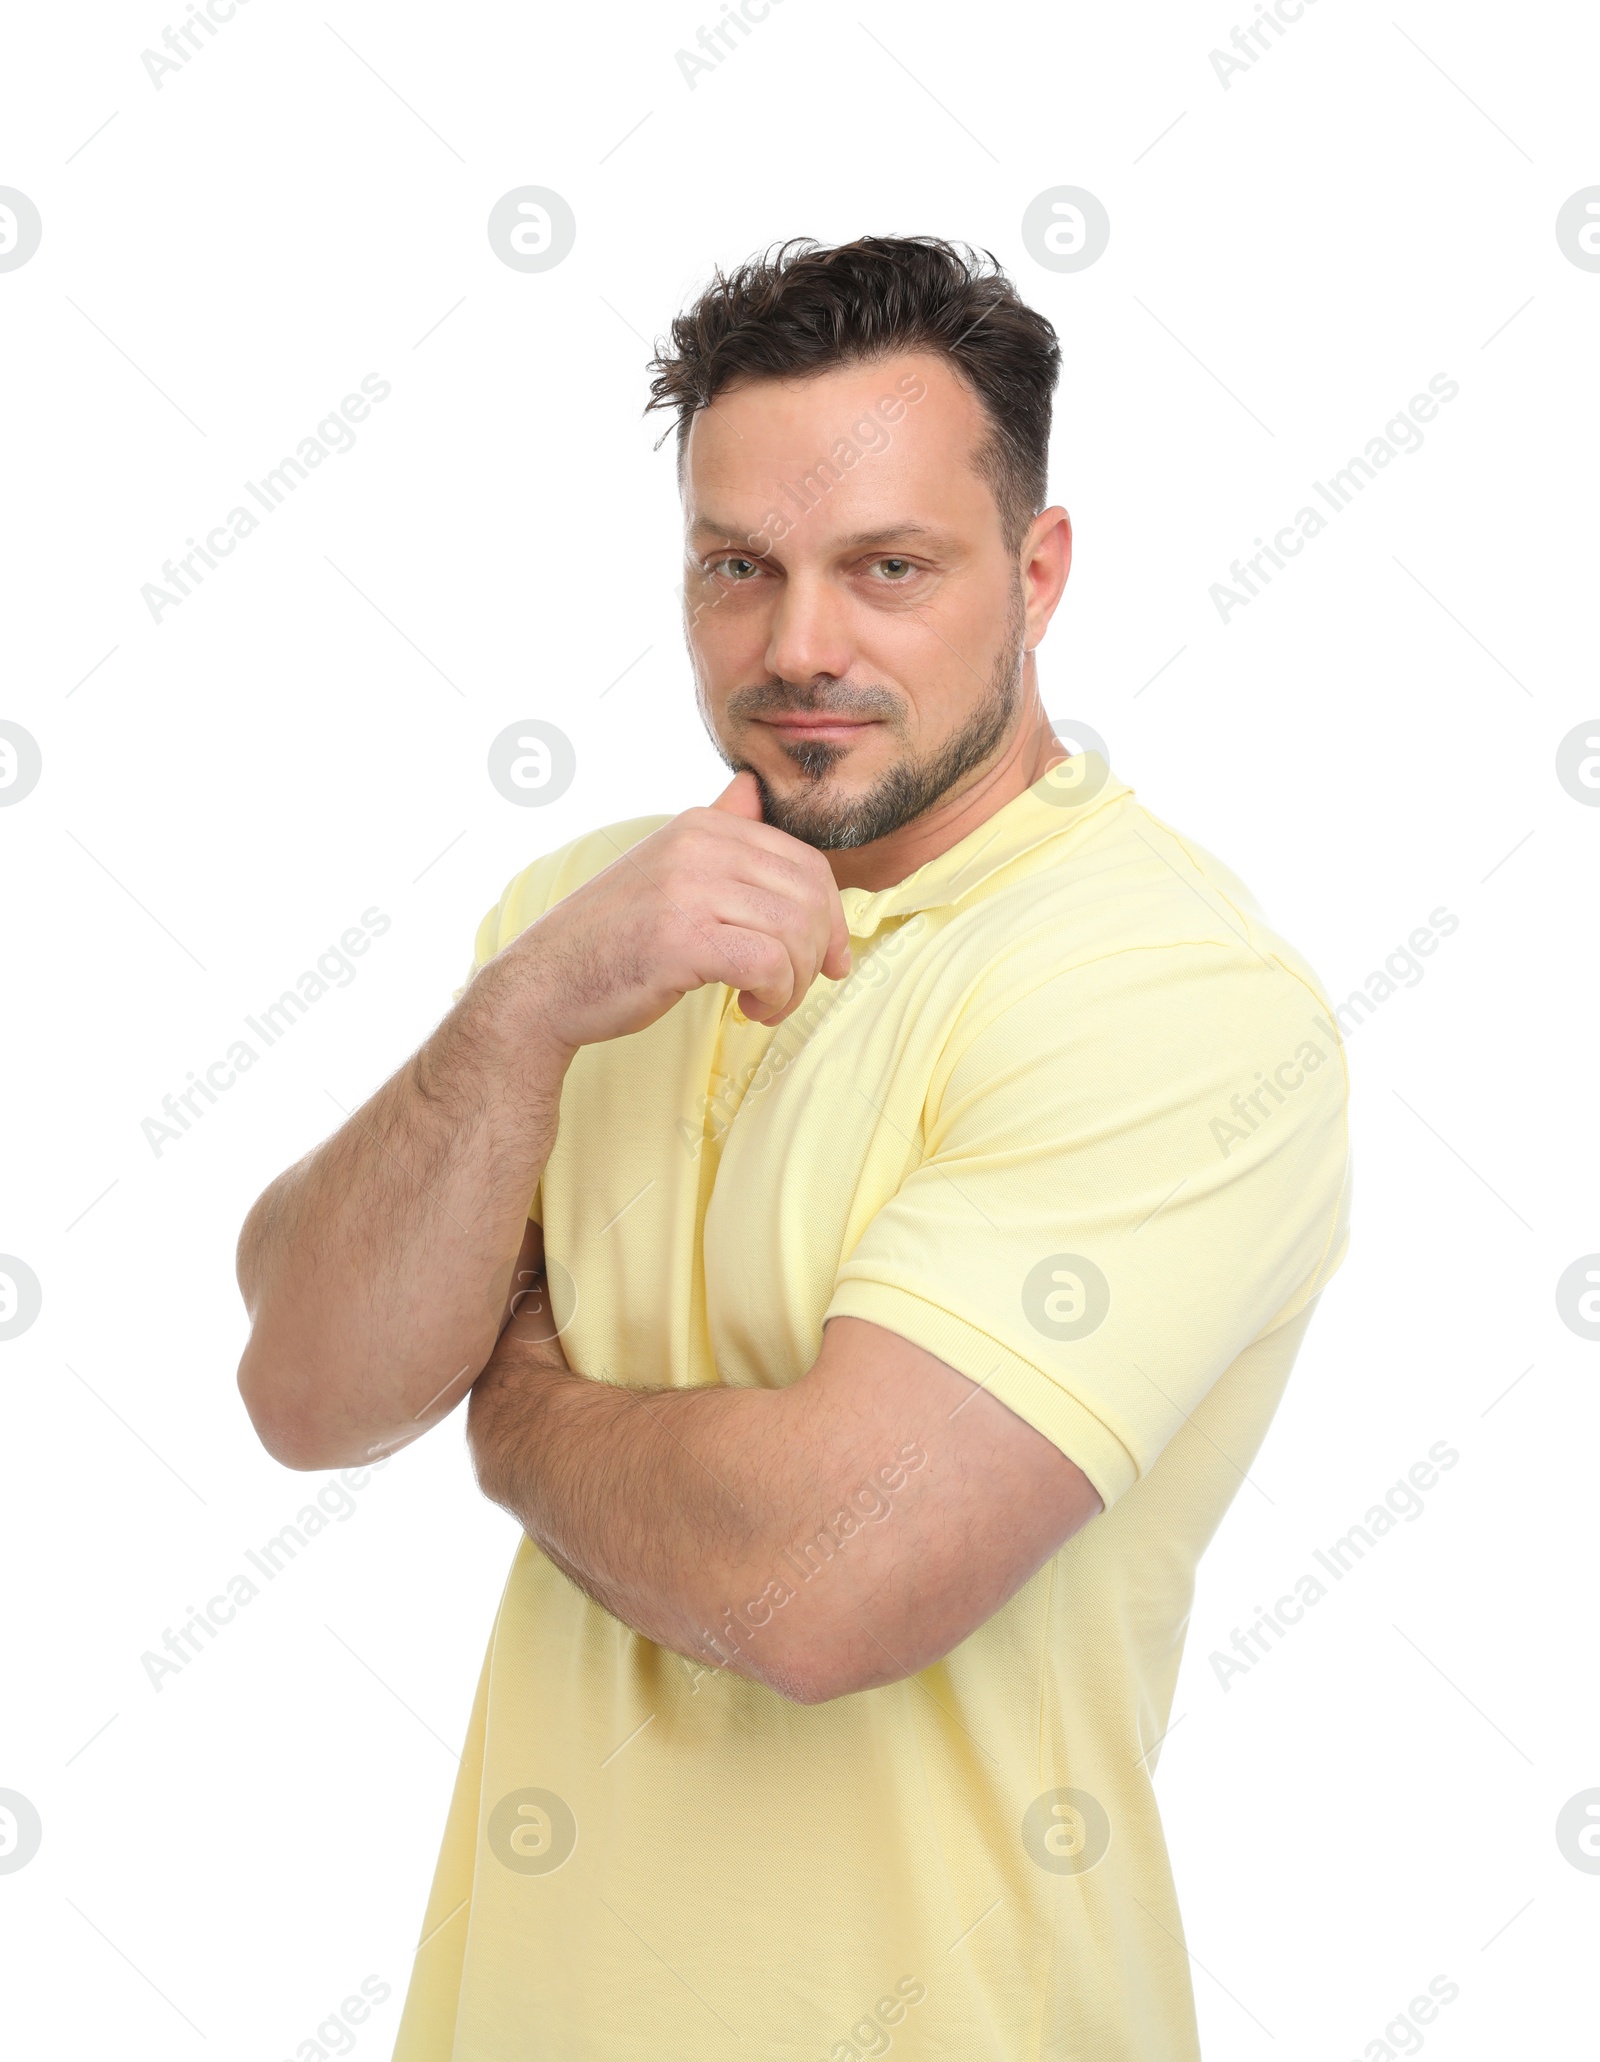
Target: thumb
[{"x": 741, "y": 797}]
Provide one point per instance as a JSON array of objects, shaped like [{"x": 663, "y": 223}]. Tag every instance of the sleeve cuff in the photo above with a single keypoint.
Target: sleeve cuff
[{"x": 1036, "y": 1397}]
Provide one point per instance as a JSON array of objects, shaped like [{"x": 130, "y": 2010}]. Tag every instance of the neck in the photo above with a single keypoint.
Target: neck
[{"x": 1029, "y": 752}]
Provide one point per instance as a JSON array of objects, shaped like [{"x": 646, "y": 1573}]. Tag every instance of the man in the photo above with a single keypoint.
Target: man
[{"x": 934, "y": 1162}]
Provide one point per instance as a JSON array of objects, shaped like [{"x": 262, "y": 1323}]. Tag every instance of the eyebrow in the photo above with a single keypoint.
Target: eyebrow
[{"x": 706, "y": 526}]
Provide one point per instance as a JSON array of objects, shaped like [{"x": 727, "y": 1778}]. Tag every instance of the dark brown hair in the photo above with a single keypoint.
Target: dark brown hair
[{"x": 802, "y": 309}]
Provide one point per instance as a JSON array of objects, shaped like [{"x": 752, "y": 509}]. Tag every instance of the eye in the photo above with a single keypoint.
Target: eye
[
  {"x": 738, "y": 570},
  {"x": 896, "y": 570}
]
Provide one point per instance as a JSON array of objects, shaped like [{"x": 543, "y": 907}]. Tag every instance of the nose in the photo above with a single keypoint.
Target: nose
[{"x": 810, "y": 632}]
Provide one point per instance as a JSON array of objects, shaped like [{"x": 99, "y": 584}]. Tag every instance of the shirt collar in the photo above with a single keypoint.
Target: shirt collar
[{"x": 1072, "y": 791}]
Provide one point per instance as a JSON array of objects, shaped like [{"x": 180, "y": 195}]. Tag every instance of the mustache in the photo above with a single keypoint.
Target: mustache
[{"x": 784, "y": 697}]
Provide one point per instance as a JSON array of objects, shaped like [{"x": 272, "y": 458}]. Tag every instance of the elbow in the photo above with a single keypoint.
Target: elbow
[
  {"x": 832, "y": 1680},
  {"x": 827, "y": 1664},
  {"x": 811, "y": 1689},
  {"x": 283, "y": 1423},
  {"x": 274, "y": 1396},
  {"x": 823, "y": 1682},
  {"x": 812, "y": 1647}
]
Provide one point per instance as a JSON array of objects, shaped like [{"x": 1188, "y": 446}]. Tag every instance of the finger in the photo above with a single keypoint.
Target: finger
[
  {"x": 741, "y": 797},
  {"x": 810, "y": 884},
  {"x": 836, "y": 960},
  {"x": 785, "y": 890},
  {"x": 801, "y": 902},
  {"x": 780, "y": 924},
  {"x": 741, "y": 949},
  {"x": 743, "y": 790}
]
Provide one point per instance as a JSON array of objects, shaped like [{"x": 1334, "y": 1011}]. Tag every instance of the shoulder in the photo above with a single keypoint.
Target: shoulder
[{"x": 1127, "y": 922}]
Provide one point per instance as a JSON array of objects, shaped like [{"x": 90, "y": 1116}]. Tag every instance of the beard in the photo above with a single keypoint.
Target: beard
[{"x": 832, "y": 822}]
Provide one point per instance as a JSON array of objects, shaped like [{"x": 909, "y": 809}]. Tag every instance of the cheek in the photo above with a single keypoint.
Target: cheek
[
  {"x": 724, "y": 624},
  {"x": 719, "y": 651}
]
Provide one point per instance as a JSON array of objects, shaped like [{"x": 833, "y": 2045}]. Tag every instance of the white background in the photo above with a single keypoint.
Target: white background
[{"x": 1292, "y": 257}]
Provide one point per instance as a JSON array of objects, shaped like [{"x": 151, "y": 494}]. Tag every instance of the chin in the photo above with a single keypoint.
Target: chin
[{"x": 828, "y": 816}]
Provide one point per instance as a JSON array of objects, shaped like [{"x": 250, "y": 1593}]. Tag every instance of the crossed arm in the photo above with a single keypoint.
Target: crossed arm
[{"x": 831, "y": 1536}]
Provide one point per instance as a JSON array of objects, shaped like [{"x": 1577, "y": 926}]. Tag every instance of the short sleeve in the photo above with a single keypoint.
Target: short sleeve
[
  {"x": 483, "y": 950},
  {"x": 1132, "y": 1169},
  {"x": 526, "y": 897}
]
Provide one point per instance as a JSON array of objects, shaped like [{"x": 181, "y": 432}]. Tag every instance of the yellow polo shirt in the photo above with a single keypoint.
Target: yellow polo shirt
[{"x": 1075, "y": 1123}]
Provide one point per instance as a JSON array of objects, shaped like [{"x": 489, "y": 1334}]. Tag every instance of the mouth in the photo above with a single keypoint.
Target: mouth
[{"x": 818, "y": 727}]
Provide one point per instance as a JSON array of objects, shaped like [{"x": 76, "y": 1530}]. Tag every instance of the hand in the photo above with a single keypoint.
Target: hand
[{"x": 714, "y": 895}]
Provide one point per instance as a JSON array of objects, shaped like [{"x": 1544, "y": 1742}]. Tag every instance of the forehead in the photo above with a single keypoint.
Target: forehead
[{"x": 883, "y": 451}]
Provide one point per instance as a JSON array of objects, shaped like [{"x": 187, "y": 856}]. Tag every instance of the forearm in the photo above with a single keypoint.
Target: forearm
[
  {"x": 670, "y": 1507},
  {"x": 375, "y": 1270},
  {"x": 831, "y": 1535}
]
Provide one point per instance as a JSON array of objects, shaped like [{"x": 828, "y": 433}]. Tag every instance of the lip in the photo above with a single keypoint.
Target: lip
[{"x": 821, "y": 726}]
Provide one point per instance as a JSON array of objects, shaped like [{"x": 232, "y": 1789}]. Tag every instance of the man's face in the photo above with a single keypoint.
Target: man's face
[{"x": 856, "y": 624}]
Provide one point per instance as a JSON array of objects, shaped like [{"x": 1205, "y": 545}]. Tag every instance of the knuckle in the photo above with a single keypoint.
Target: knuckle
[
  {"x": 779, "y": 917},
  {"x": 761, "y": 960}
]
